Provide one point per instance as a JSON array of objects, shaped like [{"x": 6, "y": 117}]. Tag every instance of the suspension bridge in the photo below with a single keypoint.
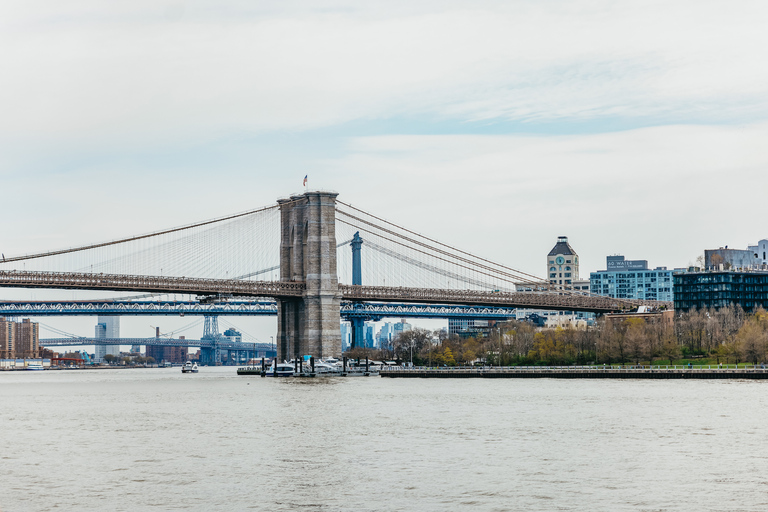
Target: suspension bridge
[{"x": 286, "y": 260}]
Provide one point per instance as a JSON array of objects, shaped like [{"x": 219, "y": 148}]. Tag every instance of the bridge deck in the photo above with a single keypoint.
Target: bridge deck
[{"x": 294, "y": 290}]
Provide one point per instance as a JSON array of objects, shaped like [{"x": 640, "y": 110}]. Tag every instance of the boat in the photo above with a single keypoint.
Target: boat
[
  {"x": 189, "y": 367},
  {"x": 325, "y": 369},
  {"x": 36, "y": 365},
  {"x": 280, "y": 370}
]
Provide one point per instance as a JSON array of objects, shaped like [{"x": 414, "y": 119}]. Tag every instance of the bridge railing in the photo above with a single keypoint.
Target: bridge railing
[
  {"x": 540, "y": 300},
  {"x": 161, "y": 284}
]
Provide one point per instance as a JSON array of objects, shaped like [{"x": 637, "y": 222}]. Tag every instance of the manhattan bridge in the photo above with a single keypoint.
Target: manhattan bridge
[{"x": 309, "y": 259}]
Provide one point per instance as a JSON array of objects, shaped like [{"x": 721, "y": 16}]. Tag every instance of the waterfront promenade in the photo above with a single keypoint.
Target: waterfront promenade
[{"x": 583, "y": 372}]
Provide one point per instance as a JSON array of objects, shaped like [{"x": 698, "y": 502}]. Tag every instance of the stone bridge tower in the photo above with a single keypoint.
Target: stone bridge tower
[{"x": 309, "y": 325}]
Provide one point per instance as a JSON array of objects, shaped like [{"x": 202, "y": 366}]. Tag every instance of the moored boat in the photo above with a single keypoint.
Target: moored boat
[
  {"x": 280, "y": 370},
  {"x": 189, "y": 367}
]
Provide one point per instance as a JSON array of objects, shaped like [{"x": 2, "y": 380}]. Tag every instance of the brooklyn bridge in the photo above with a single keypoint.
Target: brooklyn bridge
[{"x": 308, "y": 259}]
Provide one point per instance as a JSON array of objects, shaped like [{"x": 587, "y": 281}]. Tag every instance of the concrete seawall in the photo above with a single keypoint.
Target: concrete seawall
[{"x": 578, "y": 373}]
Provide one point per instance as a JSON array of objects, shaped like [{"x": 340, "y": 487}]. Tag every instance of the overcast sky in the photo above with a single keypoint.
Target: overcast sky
[{"x": 636, "y": 128}]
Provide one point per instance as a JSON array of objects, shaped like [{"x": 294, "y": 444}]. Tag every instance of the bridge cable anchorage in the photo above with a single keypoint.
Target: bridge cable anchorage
[
  {"x": 534, "y": 279},
  {"x": 139, "y": 237},
  {"x": 497, "y": 273}
]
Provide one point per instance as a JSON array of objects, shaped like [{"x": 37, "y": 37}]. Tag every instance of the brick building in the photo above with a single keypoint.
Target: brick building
[{"x": 19, "y": 339}]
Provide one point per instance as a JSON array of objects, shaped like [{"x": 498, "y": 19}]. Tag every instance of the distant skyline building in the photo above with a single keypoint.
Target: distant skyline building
[
  {"x": 107, "y": 327},
  {"x": 385, "y": 335},
  {"x": 469, "y": 327},
  {"x": 346, "y": 335},
  {"x": 754, "y": 257},
  {"x": 761, "y": 251},
  {"x": 632, "y": 279},
  {"x": 400, "y": 327},
  {"x": 7, "y": 338},
  {"x": 370, "y": 339},
  {"x": 233, "y": 335},
  {"x": 19, "y": 340}
]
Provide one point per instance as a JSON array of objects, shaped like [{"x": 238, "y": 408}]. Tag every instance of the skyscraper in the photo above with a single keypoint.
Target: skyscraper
[{"x": 107, "y": 327}]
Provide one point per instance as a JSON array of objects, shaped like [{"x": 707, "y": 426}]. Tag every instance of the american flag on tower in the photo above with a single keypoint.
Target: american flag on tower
[{"x": 305, "y": 180}]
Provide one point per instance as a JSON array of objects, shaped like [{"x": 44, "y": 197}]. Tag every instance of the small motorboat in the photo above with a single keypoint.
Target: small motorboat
[
  {"x": 189, "y": 367},
  {"x": 280, "y": 370},
  {"x": 35, "y": 365}
]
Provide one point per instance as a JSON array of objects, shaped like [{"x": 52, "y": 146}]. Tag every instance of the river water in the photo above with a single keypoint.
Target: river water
[{"x": 155, "y": 439}]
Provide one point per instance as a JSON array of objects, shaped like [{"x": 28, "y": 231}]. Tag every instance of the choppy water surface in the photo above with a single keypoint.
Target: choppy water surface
[{"x": 157, "y": 439}]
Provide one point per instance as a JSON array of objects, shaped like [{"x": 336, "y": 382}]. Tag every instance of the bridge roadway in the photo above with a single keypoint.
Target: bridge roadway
[
  {"x": 295, "y": 290},
  {"x": 240, "y": 308}
]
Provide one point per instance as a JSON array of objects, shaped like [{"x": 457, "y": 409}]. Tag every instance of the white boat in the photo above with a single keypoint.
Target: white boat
[
  {"x": 189, "y": 367},
  {"x": 35, "y": 366},
  {"x": 280, "y": 370},
  {"x": 327, "y": 369}
]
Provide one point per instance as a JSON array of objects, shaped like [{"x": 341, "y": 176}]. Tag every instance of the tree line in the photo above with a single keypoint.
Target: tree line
[{"x": 725, "y": 335}]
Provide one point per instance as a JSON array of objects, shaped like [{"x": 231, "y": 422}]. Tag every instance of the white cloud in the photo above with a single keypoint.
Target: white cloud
[{"x": 126, "y": 73}]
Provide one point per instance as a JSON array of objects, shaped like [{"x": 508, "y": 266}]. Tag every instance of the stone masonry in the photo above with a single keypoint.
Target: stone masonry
[{"x": 309, "y": 325}]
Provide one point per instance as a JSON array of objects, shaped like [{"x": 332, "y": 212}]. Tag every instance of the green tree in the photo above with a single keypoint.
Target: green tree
[{"x": 447, "y": 357}]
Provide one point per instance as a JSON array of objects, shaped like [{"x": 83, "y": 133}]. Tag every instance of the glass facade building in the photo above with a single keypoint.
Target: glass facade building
[
  {"x": 719, "y": 289},
  {"x": 632, "y": 279}
]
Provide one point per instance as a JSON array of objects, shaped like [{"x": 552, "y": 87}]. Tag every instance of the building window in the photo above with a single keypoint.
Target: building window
[
  {"x": 567, "y": 268},
  {"x": 567, "y": 274},
  {"x": 552, "y": 269},
  {"x": 553, "y": 275}
]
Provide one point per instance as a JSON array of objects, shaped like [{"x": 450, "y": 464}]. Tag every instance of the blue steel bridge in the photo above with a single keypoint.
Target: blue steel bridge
[{"x": 286, "y": 260}]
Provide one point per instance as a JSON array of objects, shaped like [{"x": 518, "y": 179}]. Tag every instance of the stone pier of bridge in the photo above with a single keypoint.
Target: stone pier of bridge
[{"x": 309, "y": 325}]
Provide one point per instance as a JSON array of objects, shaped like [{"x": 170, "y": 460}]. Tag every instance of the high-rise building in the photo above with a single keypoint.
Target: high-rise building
[
  {"x": 107, "y": 327},
  {"x": 7, "y": 338},
  {"x": 385, "y": 335},
  {"x": 632, "y": 279},
  {"x": 400, "y": 327},
  {"x": 369, "y": 332},
  {"x": 19, "y": 339},
  {"x": 346, "y": 335},
  {"x": 27, "y": 339}
]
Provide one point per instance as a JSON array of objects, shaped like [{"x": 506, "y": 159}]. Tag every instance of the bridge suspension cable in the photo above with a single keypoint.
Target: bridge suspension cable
[
  {"x": 229, "y": 247},
  {"x": 138, "y": 237},
  {"x": 441, "y": 254}
]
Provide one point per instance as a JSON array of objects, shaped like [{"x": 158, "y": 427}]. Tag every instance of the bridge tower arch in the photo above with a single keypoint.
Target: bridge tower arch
[{"x": 309, "y": 325}]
